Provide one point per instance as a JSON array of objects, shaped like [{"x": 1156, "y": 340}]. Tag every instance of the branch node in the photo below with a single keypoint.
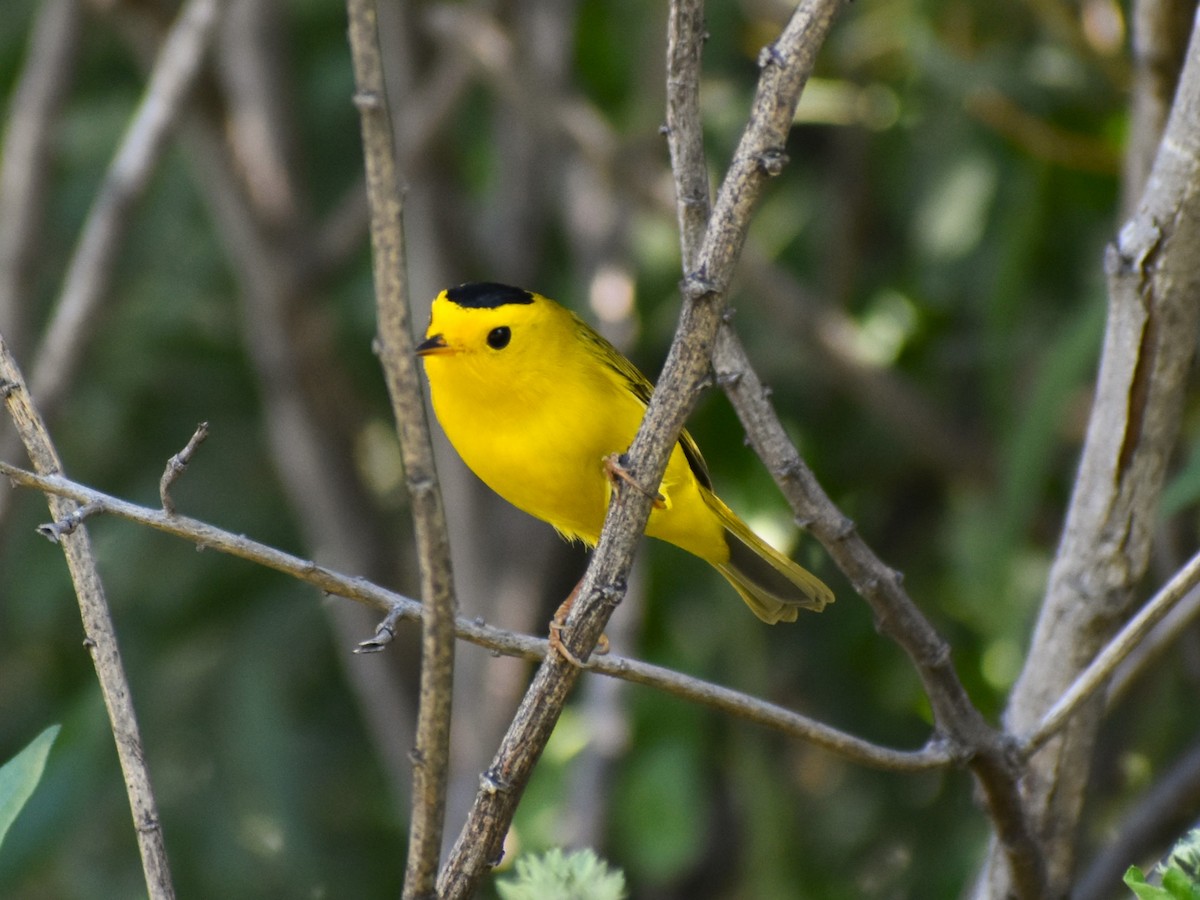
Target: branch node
[
  {"x": 55, "y": 531},
  {"x": 491, "y": 782},
  {"x": 7, "y": 388},
  {"x": 664, "y": 129},
  {"x": 611, "y": 595},
  {"x": 385, "y": 633},
  {"x": 367, "y": 100},
  {"x": 772, "y": 161},
  {"x": 420, "y": 484},
  {"x": 770, "y": 56},
  {"x": 729, "y": 379},
  {"x": 697, "y": 285},
  {"x": 148, "y": 825}
]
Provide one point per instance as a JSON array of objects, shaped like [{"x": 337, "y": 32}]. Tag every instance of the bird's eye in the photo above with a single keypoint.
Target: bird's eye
[{"x": 498, "y": 338}]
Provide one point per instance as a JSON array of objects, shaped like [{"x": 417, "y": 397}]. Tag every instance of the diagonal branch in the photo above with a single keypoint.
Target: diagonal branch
[
  {"x": 988, "y": 753},
  {"x": 759, "y": 156},
  {"x": 400, "y": 608},
  {"x": 100, "y": 637},
  {"x": 431, "y": 757},
  {"x": 1097, "y": 674}
]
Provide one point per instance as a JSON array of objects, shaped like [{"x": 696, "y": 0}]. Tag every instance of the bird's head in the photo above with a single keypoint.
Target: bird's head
[{"x": 492, "y": 331}]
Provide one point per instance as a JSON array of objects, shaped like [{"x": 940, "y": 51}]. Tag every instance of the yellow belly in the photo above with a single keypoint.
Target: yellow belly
[{"x": 544, "y": 453}]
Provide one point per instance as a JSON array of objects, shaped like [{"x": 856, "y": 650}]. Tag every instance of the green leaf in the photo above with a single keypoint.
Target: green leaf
[
  {"x": 1180, "y": 886},
  {"x": 1136, "y": 882},
  {"x": 557, "y": 876},
  {"x": 21, "y": 774}
]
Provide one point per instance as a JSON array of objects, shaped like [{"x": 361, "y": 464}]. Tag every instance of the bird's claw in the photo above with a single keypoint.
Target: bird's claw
[
  {"x": 615, "y": 470},
  {"x": 559, "y": 622}
]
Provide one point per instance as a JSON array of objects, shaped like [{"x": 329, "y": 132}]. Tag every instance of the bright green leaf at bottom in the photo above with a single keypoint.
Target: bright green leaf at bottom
[{"x": 21, "y": 774}]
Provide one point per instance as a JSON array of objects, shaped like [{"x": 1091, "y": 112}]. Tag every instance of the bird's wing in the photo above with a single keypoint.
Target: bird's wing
[{"x": 641, "y": 387}]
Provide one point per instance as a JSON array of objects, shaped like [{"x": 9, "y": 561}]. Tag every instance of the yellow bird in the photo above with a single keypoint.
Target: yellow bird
[{"x": 536, "y": 403}]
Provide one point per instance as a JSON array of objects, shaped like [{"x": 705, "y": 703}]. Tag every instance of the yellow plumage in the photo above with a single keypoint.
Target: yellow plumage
[{"x": 534, "y": 401}]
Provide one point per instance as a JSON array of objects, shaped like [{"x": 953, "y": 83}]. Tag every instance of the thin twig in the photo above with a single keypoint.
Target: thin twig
[
  {"x": 1153, "y": 649},
  {"x": 399, "y": 608},
  {"x": 759, "y": 156},
  {"x": 56, "y": 530},
  {"x": 178, "y": 464},
  {"x": 385, "y": 194},
  {"x": 1096, "y": 675},
  {"x": 100, "y": 636}
]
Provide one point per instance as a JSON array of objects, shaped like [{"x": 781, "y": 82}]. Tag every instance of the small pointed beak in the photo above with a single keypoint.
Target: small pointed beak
[{"x": 434, "y": 345}]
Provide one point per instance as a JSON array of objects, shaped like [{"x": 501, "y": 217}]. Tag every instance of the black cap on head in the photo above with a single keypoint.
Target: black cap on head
[{"x": 487, "y": 295}]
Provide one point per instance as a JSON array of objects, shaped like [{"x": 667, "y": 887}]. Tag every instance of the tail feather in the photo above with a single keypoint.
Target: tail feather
[{"x": 773, "y": 586}]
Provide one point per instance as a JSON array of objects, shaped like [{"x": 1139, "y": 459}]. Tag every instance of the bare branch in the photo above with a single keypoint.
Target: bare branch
[
  {"x": 1096, "y": 675},
  {"x": 988, "y": 753},
  {"x": 100, "y": 636},
  {"x": 431, "y": 758},
  {"x": 56, "y": 530},
  {"x": 178, "y": 464},
  {"x": 398, "y": 608},
  {"x": 1152, "y": 650}
]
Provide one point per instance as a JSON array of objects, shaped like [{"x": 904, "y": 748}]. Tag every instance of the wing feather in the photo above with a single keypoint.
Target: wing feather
[{"x": 641, "y": 387}]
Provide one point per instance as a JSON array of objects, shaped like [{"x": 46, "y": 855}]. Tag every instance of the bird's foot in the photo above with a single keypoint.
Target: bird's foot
[
  {"x": 614, "y": 469},
  {"x": 559, "y": 623}
]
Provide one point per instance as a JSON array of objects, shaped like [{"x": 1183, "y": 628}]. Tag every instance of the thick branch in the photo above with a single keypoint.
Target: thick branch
[
  {"x": 385, "y": 194},
  {"x": 1153, "y": 280}
]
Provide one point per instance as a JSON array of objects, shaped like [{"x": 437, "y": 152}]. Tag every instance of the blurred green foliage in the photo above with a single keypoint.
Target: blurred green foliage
[{"x": 964, "y": 264}]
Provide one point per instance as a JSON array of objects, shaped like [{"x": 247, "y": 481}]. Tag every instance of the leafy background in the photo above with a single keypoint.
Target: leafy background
[{"x": 923, "y": 291}]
